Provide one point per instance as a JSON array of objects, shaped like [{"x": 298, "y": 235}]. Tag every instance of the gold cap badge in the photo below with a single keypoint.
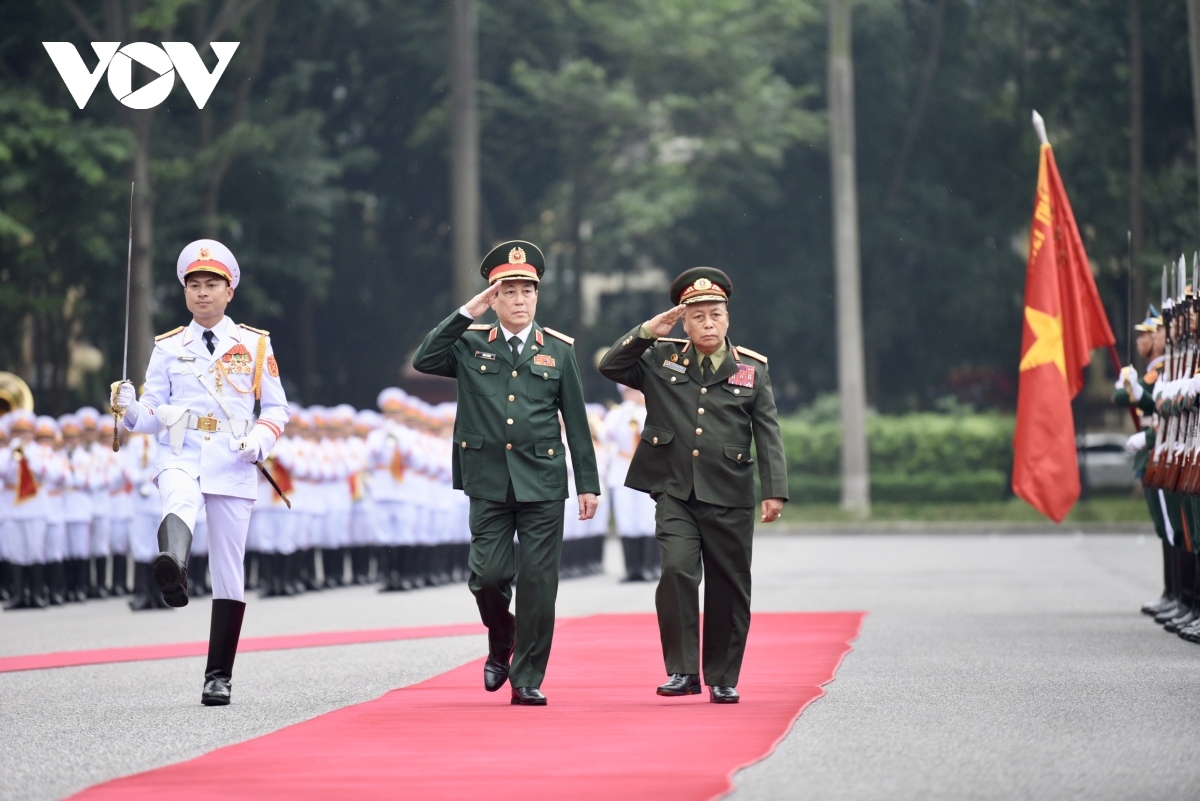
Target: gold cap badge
[
  {"x": 205, "y": 254},
  {"x": 702, "y": 284},
  {"x": 516, "y": 256}
]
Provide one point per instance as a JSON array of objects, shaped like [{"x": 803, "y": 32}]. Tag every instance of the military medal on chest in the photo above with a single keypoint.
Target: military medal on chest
[
  {"x": 744, "y": 377},
  {"x": 237, "y": 361}
]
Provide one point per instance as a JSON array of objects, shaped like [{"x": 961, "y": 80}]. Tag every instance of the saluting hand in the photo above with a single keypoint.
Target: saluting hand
[
  {"x": 772, "y": 508},
  {"x": 587, "y": 506},
  {"x": 479, "y": 304},
  {"x": 662, "y": 324}
]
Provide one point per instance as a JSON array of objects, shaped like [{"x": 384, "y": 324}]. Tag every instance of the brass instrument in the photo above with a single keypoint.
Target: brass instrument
[{"x": 14, "y": 394}]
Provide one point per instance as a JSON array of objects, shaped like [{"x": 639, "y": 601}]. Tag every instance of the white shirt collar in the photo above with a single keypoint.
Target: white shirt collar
[
  {"x": 523, "y": 334},
  {"x": 218, "y": 329}
]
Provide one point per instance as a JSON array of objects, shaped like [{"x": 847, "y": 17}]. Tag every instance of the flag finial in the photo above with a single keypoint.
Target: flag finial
[{"x": 1039, "y": 125}]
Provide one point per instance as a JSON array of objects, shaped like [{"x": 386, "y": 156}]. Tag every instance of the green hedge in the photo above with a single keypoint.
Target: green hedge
[{"x": 914, "y": 458}]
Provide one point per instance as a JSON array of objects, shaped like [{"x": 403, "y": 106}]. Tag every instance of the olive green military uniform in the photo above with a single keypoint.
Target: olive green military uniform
[
  {"x": 694, "y": 458},
  {"x": 510, "y": 460},
  {"x": 1145, "y": 405}
]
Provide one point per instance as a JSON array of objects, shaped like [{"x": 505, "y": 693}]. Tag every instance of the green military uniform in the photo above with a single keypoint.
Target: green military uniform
[
  {"x": 1145, "y": 405},
  {"x": 510, "y": 460},
  {"x": 695, "y": 459}
]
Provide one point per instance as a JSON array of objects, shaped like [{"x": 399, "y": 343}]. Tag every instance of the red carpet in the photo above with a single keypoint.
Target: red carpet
[
  {"x": 605, "y": 735},
  {"x": 141, "y": 653}
]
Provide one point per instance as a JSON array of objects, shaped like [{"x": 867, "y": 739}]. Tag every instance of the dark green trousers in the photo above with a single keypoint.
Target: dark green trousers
[
  {"x": 539, "y": 525},
  {"x": 697, "y": 540},
  {"x": 1156, "y": 514}
]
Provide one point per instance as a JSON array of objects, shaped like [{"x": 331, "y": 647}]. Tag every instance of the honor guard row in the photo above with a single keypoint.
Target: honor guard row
[{"x": 1167, "y": 449}]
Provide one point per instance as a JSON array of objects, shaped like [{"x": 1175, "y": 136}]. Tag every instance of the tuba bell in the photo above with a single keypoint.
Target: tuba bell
[{"x": 14, "y": 394}]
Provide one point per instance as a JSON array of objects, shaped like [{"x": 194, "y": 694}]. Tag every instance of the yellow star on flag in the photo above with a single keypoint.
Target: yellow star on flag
[{"x": 1047, "y": 347}]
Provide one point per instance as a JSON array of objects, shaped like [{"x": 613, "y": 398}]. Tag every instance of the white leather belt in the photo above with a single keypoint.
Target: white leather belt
[{"x": 208, "y": 423}]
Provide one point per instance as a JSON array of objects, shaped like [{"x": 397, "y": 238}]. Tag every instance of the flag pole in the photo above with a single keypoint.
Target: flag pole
[{"x": 1039, "y": 125}]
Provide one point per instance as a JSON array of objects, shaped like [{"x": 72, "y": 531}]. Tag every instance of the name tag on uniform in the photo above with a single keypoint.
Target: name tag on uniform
[
  {"x": 481, "y": 355},
  {"x": 543, "y": 360},
  {"x": 744, "y": 377},
  {"x": 670, "y": 365},
  {"x": 186, "y": 358}
]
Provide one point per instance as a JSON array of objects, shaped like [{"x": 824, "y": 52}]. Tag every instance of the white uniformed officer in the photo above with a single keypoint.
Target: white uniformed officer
[{"x": 201, "y": 385}]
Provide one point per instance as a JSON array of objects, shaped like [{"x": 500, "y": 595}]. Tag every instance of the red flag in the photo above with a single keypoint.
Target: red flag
[{"x": 1064, "y": 322}]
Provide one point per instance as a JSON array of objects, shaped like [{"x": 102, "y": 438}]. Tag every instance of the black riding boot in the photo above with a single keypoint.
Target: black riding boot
[
  {"x": 37, "y": 586},
  {"x": 57, "y": 579},
  {"x": 632, "y": 548},
  {"x": 18, "y": 597},
  {"x": 223, "y": 634},
  {"x": 120, "y": 581},
  {"x": 170, "y": 569},
  {"x": 97, "y": 577}
]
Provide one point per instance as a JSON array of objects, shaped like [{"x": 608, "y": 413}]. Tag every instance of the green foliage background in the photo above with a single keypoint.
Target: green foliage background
[{"x": 620, "y": 135}]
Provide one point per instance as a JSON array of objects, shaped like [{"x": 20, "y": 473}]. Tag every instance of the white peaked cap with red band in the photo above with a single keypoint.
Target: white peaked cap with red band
[{"x": 208, "y": 256}]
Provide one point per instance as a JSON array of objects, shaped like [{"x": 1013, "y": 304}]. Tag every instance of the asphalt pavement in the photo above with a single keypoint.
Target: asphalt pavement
[{"x": 989, "y": 667}]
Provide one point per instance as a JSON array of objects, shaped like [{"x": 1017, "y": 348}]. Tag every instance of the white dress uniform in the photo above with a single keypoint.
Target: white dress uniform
[
  {"x": 200, "y": 405},
  {"x": 147, "y": 506},
  {"x": 77, "y": 503},
  {"x": 199, "y": 398}
]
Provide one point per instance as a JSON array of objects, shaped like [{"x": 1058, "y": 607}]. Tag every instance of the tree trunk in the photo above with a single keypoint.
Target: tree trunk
[
  {"x": 464, "y": 172},
  {"x": 1137, "y": 276},
  {"x": 856, "y": 488},
  {"x": 1193, "y": 7},
  {"x": 141, "y": 290}
]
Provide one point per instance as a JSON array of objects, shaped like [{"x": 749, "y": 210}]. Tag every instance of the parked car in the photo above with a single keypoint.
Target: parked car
[{"x": 1104, "y": 464}]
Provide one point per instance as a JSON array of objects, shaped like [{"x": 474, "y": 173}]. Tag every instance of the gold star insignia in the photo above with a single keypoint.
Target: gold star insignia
[{"x": 1047, "y": 347}]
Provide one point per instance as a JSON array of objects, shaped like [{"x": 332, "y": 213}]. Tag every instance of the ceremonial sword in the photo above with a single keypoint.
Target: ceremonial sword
[
  {"x": 267, "y": 475},
  {"x": 116, "y": 412}
]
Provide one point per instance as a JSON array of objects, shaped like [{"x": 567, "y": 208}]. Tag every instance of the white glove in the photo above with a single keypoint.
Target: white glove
[
  {"x": 124, "y": 397},
  {"x": 248, "y": 449},
  {"x": 123, "y": 394},
  {"x": 1136, "y": 442}
]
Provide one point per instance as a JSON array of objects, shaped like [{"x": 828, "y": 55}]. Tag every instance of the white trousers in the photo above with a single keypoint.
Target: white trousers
[
  {"x": 118, "y": 534},
  {"x": 79, "y": 539},
  {"x": 26, "y": 541},
  {"x": 634, "y": 511},
  {"x": 56, "y": 541},
  {"x": 143, "y": 536},
  {"x": 228, "y": 523},
  {"x": 100, "y": 536}
]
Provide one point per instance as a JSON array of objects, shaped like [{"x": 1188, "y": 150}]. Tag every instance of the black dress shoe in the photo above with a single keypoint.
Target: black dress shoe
[
  {"x": 1154, "y": 607},
  {"x": 681, "y": 684},
  {"x": 528, "y": 696},
  {"x": 216, "y": 692},
  {"x": 495, "y": 670},
  {"x": 723, "y": 695},
  {"x": 1175, "y": 624},
  {"x": 1169, "y": 611}
]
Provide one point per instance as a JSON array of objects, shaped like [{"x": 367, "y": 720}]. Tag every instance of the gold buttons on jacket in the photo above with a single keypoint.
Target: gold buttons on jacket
[
  {"x": 699, "y": 431},
  {"x": 483, "y": 368},
  {"x": 655, "y": 440},
  {"x": 672, "y": 379},
  {"x": 737, "y": 392},
  {"x": 464, "y": 443},
  {"x": 700, "y": 410},
  {"x": 551, "y": 451},
  {"x": 695, "y": 453},
  {"x": 508, "y": 446},
  {"x": 509, "y": 421},
  {"x": 514, "y": 373},
  {"x": 703, "y": 390},
  {"x": 739, "y": 457},
  {"x": 512, "y": 397}
]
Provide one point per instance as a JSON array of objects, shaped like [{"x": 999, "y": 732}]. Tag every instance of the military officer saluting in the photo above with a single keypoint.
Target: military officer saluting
[
  {"x": 201, "y": 386},
  {"x": 706, "y": 399},
  {"x": 514, "y": 379}
]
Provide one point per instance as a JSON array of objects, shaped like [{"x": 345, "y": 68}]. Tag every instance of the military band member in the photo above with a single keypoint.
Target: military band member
[
  {"x": 201, "y": 385},
  {"x": 514, "y": 378},
  {"x": 706, "y": 400}
]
